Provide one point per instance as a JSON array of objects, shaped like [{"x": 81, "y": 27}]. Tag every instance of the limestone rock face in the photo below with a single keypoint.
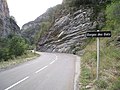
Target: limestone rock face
[
  {"x": 7, "y": 24},
  {"x": 66, "y": 32}
]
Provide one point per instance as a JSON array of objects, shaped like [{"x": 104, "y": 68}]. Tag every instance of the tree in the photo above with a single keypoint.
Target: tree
[
  {"x": 12, "y": 46},
  {"x": 4, "y": 49},
  {"x": 17, "y": 46}
]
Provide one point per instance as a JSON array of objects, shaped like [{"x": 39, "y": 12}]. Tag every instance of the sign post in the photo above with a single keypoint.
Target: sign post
[
  {"x": 98, "y": 56},
  {"x": 98, "y": 34}
]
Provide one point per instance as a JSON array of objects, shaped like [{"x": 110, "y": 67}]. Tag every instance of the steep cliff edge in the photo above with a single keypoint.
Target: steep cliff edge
[
  {"x": 62, "y": 28},
  {"x": 7, "y": 24}
]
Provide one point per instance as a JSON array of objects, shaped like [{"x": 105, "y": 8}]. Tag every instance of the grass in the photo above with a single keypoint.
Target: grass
[
  {"x": 21, "y": 59},
  {"x": 109, "y": 66}
]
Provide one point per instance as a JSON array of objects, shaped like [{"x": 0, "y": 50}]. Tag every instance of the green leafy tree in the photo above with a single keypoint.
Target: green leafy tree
[
  {"x": 4, "y": 49},
  {"x": 4, "y": 54},
  {"x": 17, "y": 46},
  {"x": 12, "y": 46}
]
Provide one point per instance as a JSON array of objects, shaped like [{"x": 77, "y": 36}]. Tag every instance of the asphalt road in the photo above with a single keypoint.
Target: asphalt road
[{"x": 47, "y": 72}]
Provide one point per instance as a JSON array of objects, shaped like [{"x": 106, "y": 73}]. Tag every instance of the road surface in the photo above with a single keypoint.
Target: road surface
[{"x": 47, "y": 72}]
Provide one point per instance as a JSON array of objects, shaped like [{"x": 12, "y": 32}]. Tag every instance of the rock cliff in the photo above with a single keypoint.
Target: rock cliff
[
  {"x": 7, "y": 24},
  {"x": 66, "y": 28}
]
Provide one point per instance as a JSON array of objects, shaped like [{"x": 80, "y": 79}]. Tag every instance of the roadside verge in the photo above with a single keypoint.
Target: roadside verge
[
  {"x": 4, "y": 65},
  {"x": 77, "y": 73}
]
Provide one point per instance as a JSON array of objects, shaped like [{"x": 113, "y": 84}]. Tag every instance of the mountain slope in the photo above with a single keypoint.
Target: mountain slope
[
  {"x": 7, "y": 24},
  {"x": 62, "y": 28}
]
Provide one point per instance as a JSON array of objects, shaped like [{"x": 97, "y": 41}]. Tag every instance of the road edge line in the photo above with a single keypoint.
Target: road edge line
[{"x": 77, "y": 73}]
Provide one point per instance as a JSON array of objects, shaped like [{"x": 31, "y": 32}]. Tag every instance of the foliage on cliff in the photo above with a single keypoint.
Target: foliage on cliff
[
  {"x": 113, "y": 14},
  {"x": 77, "y": 3},
  {"x": 109, "y": 55}
]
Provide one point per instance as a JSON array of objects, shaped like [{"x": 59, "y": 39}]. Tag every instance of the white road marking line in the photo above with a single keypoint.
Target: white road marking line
[
  {"x": 28, "y": 76},
  {"x": 56, "y": 57},
  {"x": 47, "y": 65},
  {"x": 41, "y": 69},
  {"x": 52, "y": 62},
  {"x": 17, "y": 83}
]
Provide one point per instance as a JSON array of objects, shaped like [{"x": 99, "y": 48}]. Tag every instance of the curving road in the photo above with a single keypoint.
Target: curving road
[{"x": 50, "y": 71}]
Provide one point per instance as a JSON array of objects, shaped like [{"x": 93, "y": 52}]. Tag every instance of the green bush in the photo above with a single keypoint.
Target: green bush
[
  {"x": 12, "y": 46},
  {"x": 4, "y": 54},
  {"x": 17, "y": 46},
  {"x": 85, "y": 76},
  {"x": 101, "y": 84}
]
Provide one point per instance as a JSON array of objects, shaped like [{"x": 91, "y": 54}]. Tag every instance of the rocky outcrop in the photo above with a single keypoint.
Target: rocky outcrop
[
  {"x": 30, "y": 29},
  {"x": 67, "y": 30},
  {"x": 7, "y": 24},
  {"x": 68, "y": 33}
]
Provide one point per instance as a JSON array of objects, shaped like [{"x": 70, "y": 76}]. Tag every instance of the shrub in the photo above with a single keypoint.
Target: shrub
[
  {"x": 12, "y": 46},
  {"x": 4, "y": 54},
  {"x": 17, "y": 46},
  {"x": 101, "y": 84}
]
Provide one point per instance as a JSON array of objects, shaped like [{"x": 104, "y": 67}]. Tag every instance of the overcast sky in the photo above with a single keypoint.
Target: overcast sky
[{"x": 28, "y": 10}]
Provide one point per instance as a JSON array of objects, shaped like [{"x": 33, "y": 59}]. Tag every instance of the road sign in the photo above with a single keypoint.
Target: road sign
[{"x": 99, "y": 34}]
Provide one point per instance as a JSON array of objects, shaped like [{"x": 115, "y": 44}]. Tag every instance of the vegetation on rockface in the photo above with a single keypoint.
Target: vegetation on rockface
[
  {"x": 44, "y": 27},
  {"x": 113, "y": 15},
  {"x": 11, "y": 47},
  {"x": 109, "y": 55},
  {"x": 77, "y": 3}
]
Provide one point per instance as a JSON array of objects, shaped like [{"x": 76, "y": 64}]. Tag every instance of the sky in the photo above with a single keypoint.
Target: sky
[{"x": 28, "y": 10}]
